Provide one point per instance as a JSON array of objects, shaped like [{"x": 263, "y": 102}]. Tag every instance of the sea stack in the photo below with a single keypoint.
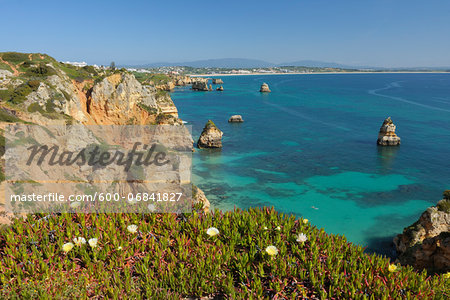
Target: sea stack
[
  {"x": 220, "y": 88},
  {"x": 211, "y": 136},
  {"x": 217, "y": 81},
  {"x": 264, "y": 88},
  {"x": 200, "y": 85},
  {"x": 387, "y": 136},
  {"x": 235, "y": 119}
]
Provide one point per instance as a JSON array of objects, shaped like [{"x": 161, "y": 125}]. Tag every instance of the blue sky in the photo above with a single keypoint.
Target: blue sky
[{"x": 393, "y": 33}]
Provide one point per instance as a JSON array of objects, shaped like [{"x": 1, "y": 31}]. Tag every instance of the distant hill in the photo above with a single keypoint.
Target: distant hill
[
  {"x": 256, "y": 63},
  {"x": 323, "y": 64},
  {"x": 216, "y": 63}
]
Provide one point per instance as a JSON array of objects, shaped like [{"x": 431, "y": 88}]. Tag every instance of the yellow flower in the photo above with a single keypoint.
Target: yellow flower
[
  {"x": 93, "y": 243},
  {"x": 79, "y": 241},
  {"x": 132, "y": 228},
  {"x": 120, "y": 248},
  {"x": 447, "y": 275},
  {"x": 278, "y": 228},
  {"x": 67, "y": 247},
  {"x": 392, "y": 268},
  {"x": 272, "y": 250},
  {"x": 265, "y": 228},
  {"x": 305, "y": 221},
  {"x": 212, "y": 231}
]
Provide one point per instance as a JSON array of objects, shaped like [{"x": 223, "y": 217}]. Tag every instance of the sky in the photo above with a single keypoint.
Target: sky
[{"x": 382, "y": 33}]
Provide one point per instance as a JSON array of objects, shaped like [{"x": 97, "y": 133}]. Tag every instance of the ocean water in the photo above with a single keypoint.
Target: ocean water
[{"x": 309, "y": 148}]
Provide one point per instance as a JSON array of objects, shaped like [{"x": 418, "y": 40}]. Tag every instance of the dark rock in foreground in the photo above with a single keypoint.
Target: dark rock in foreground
[
  {"x": 220, "y": 88},
  {"x": 426, "y": 243}
]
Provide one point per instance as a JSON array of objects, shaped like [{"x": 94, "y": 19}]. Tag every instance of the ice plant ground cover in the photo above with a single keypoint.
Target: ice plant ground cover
[{"x": 172, "y": 256}]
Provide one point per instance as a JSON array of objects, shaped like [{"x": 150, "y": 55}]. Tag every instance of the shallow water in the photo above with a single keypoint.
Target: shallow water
[{"x": 309, "y": 148}]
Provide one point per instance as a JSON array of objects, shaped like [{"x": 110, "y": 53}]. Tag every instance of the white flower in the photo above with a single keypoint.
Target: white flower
[
  {"x": 132, "y": 201},
  {"x": 212, "y": 231},
  {"x": 79, "y": 241},
  {"x": 93, "y": 242},
  {"x": 132, "y": 228},
  {"x": 302, "y": 238},
  {"x": 120, "y": 248},
  {"x": 265, "y": 228},
  {"x": 272, "y": 250},
  {"x": 151, "y": 207},
  {"x": 278, "y": 228},
  {"x": 75, "y": 204},
  {"x": 67, "y": 247}
]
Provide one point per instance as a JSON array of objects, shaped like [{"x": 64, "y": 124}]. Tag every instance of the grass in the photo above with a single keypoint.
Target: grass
[
  {"x": 171, "y": 257},
  {"x": 156, "y": 78}
]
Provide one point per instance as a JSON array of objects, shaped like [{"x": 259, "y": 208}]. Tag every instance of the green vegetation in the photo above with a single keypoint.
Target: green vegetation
[
  {"x": 446, "y": 194},
  {"x": 156, "y": 79},
  {"x": 165, "y": 119},
  {"x": 444, "y": 205},
  {"x": 20, "y": 94},
  {"x": 150, "y": 110},
  {"x": 41, "y": 70},
  {"x": 210, "y": 124},
  {"x": 170, "y": 256},
  {"x": 15, "y": 57}
]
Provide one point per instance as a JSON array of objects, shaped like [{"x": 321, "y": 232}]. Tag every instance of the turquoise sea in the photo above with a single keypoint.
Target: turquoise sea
[{"x": 309, "y": 148}]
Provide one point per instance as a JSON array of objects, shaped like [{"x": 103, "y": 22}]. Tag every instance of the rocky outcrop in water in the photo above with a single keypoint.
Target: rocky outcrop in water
[
  {"x": 200, "y": 85},
  {"x": 211, "y": 136},
  {"x": 265, "y": 88},
  {"x": 220, "y": 89},
  {"x": 217, "y": 81},
  {"x": 235, "y": 119},
  {"x": 387, "y": 136},
  {"x": 426, "y": 243}
]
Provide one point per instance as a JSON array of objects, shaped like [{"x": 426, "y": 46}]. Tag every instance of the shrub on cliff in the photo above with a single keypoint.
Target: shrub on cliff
[
  {"x": 258, "y": 253},
  {"x": 446, "y": 194},
  {"x": 15, "y": 57}
]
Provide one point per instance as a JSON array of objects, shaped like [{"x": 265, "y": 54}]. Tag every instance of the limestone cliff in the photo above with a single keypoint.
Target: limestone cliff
[{"x": 426, "y": 243}]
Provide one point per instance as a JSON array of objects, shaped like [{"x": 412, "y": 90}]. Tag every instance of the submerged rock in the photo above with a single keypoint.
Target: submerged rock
[
  {"x": 387, "y": 136},
  {"x": 217, "y": 81},
  {"x": 220, "y": 88},
  {"x": 211, "y": 136},
  {"x": 264, "y": 88},
  {"x": 236, "y": 119},
  {"x": 426, "y": 243}
]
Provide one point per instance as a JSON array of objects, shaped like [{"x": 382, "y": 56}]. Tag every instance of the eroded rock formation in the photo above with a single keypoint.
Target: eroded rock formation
[
  {"x": 387, "y": 136},
  {"x": 426, "y": 243},
  {"x": 265, "y": 88},
  {"x": 217, "y": 81},
  {"x": 211, "y": 136},
  {"x": 198, "y": 196},
  {"x": 200, "y": 85},
  {"x": 235, "y": 119},
  {"x": 220, "y": 89}
]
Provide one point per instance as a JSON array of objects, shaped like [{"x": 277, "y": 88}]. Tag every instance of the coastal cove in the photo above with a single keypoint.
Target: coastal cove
[{"x": 309, "y": 148}]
